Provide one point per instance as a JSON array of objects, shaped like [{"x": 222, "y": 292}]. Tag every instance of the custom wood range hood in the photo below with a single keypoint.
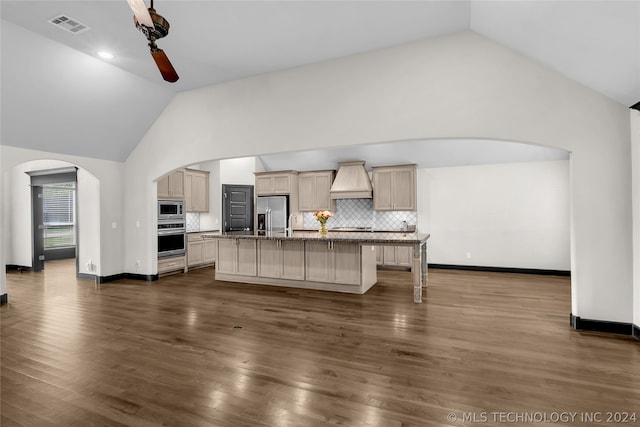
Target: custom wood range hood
[{"x": 352, "y": 182}]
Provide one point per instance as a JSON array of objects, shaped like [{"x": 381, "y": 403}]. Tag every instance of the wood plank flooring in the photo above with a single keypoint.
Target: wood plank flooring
[{"x": 189, "y": 351}]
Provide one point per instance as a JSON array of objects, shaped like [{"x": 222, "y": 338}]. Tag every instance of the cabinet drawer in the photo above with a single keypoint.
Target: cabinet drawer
[{"x": 171, "y": 264}]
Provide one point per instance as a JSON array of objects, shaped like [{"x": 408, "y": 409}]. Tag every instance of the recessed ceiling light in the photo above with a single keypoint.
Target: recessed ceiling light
[{"x": 105, "y": 55}]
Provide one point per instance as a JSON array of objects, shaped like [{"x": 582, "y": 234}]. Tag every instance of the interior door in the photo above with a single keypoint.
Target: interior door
[
  {"x": 237, "y": 207},
  {"x": 38, "y": 228}
]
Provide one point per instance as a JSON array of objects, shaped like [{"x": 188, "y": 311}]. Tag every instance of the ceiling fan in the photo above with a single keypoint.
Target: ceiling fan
[{"x": 154, "y": 27}]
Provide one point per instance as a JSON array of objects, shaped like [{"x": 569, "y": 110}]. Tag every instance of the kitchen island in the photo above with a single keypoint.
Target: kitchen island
[{"x": 340, "y": 261}]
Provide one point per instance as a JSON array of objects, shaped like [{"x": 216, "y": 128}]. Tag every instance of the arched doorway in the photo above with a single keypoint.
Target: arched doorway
[{"x": 70, "y": 223}]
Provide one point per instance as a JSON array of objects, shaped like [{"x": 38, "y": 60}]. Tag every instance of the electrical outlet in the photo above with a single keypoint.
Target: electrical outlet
[
  {"x": 137, "y": 264},
  {"x": 468, "y": 255}
]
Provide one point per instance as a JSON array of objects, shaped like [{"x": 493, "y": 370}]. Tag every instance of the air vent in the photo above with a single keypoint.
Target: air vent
[{"x": 68, "y": 24}]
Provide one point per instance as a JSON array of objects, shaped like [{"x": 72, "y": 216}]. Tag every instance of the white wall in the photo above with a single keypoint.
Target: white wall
[
  {"x": 504, "y": 215},
  {"x": 99, "y": 205},
  {"x": 635, "y": 141},
  {"x": 238, "y": 171},
  {"x": 457, "y": 86}
]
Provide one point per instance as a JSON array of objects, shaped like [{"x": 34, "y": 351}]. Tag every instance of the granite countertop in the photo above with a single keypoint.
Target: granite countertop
[
  {"x": 348, "y": 236},
  {"x": 202, "y": 231}
]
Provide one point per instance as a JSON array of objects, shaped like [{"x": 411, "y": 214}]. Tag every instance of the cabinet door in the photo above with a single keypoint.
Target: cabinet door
[
  {"x": 306, "y": 190},
  {"x": 163, "y": 188},
  {"x": 269, "y": 259},
  {"x": 281, "y": 184},
  {"x": 188, "y": 190},
  {"x": 322, "y": 192},
  {"x": 383, "y": 190},
  {"x": 194, "y": 253},
  {"x": 346, "y": 263},
  {"x": 176, "y": 185},
  {"x": 200, "y": 192},
  {"x": 404, "y": 255},
  {"x": 318, "y": 261},
  {"x": 389, "y": 255},
  {"x": 404, "y": 190},
  {"x": 209, "y": 251},
  {"x": 246, "y": 257},
  {"x": 264, "y": 185},
  {"x": 292, "y": 259},
  {"x": 227, "y": 255}
]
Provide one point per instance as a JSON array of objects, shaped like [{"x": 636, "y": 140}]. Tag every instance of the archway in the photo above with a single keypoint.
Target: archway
[{"x": 18, "y": 233}]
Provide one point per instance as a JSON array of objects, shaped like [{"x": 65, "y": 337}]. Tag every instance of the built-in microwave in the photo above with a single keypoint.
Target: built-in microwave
[{"x": 170, "y": 209}]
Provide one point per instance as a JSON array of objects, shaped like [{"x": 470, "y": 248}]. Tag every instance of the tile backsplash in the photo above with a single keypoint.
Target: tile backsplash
[
  {"x": 360, "y": 213},
  {"x": 193, "y": 221}
]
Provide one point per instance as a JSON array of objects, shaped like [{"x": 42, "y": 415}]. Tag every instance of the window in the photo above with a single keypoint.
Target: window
[{"x": 58, "y": 204}]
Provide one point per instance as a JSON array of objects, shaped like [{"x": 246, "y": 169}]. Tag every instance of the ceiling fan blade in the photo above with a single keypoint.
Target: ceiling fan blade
[
  {"x": 141, "y": 12},
  {"x": 164, "y": 65}
]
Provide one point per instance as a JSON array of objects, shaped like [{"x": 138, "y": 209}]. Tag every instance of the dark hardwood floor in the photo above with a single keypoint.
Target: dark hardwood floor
[{"x": 189, "y": 351}]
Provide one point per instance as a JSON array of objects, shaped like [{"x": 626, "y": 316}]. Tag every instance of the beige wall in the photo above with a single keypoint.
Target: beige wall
[{"x": 503, "y": 215}]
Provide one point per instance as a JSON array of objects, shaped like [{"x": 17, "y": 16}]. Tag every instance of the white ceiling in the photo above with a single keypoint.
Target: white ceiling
[{"x": 57, "y": 96}]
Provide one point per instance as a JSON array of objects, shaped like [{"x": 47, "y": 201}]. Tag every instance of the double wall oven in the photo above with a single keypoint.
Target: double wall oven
[{"x": 171, "y": 228}]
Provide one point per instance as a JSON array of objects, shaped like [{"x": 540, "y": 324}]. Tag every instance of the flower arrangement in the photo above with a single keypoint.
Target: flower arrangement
[{"x": 322, "y": 217}]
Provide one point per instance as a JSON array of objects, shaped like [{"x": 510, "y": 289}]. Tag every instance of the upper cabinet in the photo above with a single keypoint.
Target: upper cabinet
[
  {"x": 196, "y": 190},
  {"x": 276, "y": 183},
  {"x": 171, "y": 186},
  {"x": 394, "y": 188},
  {"x": 314, "y": 191}
]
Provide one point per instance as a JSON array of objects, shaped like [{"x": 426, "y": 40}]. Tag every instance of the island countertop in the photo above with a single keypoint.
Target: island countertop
[{"x": 364, "y": 237}]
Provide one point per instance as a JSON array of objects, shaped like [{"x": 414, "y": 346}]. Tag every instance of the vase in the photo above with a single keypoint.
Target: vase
[{"x": 323, "y": 229}]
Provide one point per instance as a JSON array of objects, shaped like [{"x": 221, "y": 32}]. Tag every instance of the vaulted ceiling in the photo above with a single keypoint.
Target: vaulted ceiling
[{"x": 58, "y": 96}]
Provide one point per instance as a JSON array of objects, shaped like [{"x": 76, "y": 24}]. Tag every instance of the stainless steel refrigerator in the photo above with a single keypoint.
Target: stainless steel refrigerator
[{"x": 273, "y": 212}]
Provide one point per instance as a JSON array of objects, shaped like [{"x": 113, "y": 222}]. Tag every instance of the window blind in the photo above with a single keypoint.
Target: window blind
[{"x": 58, "y": 204}]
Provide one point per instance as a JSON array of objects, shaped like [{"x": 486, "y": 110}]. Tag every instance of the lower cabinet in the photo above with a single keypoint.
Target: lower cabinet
[
  {"x": 401, "y": 256},
  {"x": 333, "y": 262},
  {"x": 281, "y": 259},
  {"x": 170, "y": 265},
  {"x": 200, "y": 252},
  {"x": 236, "y": 256}
]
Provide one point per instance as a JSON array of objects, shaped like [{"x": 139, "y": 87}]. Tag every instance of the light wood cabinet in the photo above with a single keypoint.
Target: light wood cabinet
[
  {"x": 394, "y": 188},
  {"x": 280, "y": 183},
  {"x": 333, "y": 262},
  {"x": 170, "y": 265},
  {"x": 281, "y": 259},
  {"x": 276, "y": 183},
  {"x": 194, "y": 253},
  {"x": 200, "y": 252},
  {"x": 171, "y": 186},
  {"x": 396, "y": 256},
  {"x": 209, "y": 252},
  {"x": 196, "y": 190},
  {"x": 237, "y": 256},
  {"x": 314, "y": 189}
]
